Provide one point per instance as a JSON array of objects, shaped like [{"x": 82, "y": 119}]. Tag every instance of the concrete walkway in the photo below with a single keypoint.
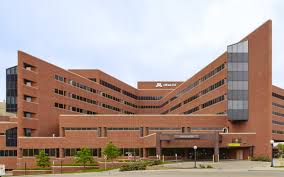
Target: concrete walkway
[{"x": 222, "y": 165}]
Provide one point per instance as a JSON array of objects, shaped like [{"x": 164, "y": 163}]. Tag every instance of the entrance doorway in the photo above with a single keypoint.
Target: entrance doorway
[{"x": 239, "y": 154}]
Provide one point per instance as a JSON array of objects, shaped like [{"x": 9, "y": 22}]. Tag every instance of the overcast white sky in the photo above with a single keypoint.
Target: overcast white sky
[{"x": 134, "y": 40}]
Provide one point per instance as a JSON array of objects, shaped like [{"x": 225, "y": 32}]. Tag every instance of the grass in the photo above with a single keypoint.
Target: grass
[
  {"x": 33, "y": 169},
  {"x": 75, "y": 165}
]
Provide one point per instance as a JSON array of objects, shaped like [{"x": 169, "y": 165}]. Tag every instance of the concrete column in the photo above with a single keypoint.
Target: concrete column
[
  {"x": 61, "y": 153},
  {"x": 186, "y": 153},
  {"x": 145, "y": 153},
  {"x": 158, "y": 144},
  {"x": 61, "y": 132},
  {"x": 216, "y": 147}
]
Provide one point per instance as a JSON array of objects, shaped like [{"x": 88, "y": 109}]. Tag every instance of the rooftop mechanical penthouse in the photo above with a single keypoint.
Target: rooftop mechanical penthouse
[{"x": 229, "y": 109}]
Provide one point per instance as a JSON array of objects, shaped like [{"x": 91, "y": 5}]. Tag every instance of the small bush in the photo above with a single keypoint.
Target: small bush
[
  {"x": 209, "y": 166},
  {"x": 202, "y": 166},
  {"x": 260, "y": 158},
  {"x": 133, "y": 166},
  {"x": 153, "y": 162}
]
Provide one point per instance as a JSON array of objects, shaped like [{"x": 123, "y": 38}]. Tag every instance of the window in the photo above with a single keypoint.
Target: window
[
  {"x": 278, "y": 105},
  {"x": 278, "y": 114},
  {"x": 27, "y": 132},
  {"x": 80, "y": 129},
  {"x": 130, "y": 104},
  {"x": 278, "y": 96},
  {"x": 192, "y": 110},
  {"x": 123, "y": 129},
  {"x": 60, "y": 105},
  {"x": 28, "y": 98},
  {"x": 82, "y": 86},
  {"x": 28, "y": 83},
  {"x": 110, "y": 97},
  {"x": 8, "y": 153},
  {"x": 11, "y": 137},
  {"x": 28, "y": 114},
  {"x": 80, "y": 110},
  {"x": 60, "y": 78},
  {"x": 108, "y": 85},
  {"x": 60, "y": 92},
  {"x": 277, "y": 123},
  {"x": 110, "y": 107},
  {"x": 213, "y": 101},
  {"x": 131, "y": 95},
  {"x": 175, "y": 107}
]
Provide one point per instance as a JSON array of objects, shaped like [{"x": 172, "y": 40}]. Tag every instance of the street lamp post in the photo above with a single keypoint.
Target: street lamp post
[
  {"x": 271, "y": 142},
  {"x": 195, "y": 148}
]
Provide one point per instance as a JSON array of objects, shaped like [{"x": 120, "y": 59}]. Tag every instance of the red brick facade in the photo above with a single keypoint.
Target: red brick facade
[{"x": 63, "y": 110}]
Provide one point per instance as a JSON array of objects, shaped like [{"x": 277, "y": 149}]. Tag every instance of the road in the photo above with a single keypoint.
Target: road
[{"x": 178, "y": 173}]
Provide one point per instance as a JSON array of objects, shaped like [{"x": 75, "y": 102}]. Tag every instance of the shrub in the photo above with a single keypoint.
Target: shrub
[
  {"x": 42, "y": 159},
  {"x": 202, "y": 166},
  {"x": 134, "y": 166},
  {"x": 260, "y": 158},
  {"x": 111, "y": 151},
  {"x": 84, "y": 156},
  {"x": 209, "y": 166},
  {"x": 153, "y": 162}
]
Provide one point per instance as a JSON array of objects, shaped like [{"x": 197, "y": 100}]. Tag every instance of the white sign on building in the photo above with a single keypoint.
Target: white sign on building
[
  {"x": 2, "y": 170},
  {"x": 159, "y": 84}
]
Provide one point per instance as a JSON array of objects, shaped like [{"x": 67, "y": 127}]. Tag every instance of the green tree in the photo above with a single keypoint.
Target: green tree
[
  {"x": 84, "y": 156},
  {"x": 111, "y": 151},
  {"x": 42, "y": 159},
  {"x": 281, "y": 148}
]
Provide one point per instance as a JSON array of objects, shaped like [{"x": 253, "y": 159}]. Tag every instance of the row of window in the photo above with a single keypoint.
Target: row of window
[
  {"x": 203, "y": 92},
  {"x": 35, "y": 152},
  {"x": 149, "y": 97},
  {"x": 277, "y": 132},
  {"x": 110, "y": 107},
  {"x": 60, "y": 92},
  {"x": 110, "y": 97},
  {"x": 212, "y": 73},
  {"x": 93, "y": 79},
  {"x": 79, "y": 129},
  {"x": 196, "y": 83},
  {"x": 80, "y": 110},
  {"x": 278, "y": 114},
  {"x": 208, "y": 89},
  {"x": 130, "y": 104},
  {"x": 207, "y": 128},
  {"x": 89, "y": 89},
  {"x": 68, "y": 152},
  {"x": 80, "y": 98},
  {"x": 149, "y": 107},
  {"x": 278, "y": 105},
  {"x": 128, "y": 112},
  {"x": 214, "y": 101},
  {"x": 175, "y": 107},
  {"x": 192, "y": 110},
  {"x": 131, "y": 95},
  {"x": 122, "y": 129},
  {"x": 164, "y": 129},
  {"x": 8, "y": 153},
  {"x": 73, "y": 151},
  {"x": 108, "y": 85},
  {"x": 73, "y": 108},
  {"x": 60, "y": 78},
  {"x": 277, "y": 96},
  {"x": 277, "y": 122},
  {"x": 60, "y": 105},
  {"x": 82, "y": 86}
]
